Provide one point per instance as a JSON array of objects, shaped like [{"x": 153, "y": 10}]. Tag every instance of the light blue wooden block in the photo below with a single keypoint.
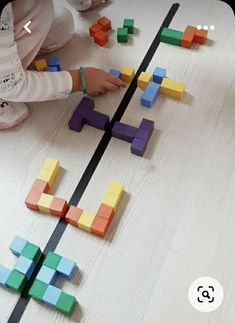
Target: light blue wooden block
[
  {"x": 66, "y": 267},
  {"x": 25, "y": 266},
  {"x": 53, "y": 69},
  {"x": 149, "y": 95},
  {"x": 4, "y": 274},
  {"x": 158, "y": 74},
  {"x": 54, "y": 61},
  {"x": 47, "y": 275},
  {"x": 51, "y": 295},
  {"x": 115, "y": 73},
  {"x": 17, "y": 245}
]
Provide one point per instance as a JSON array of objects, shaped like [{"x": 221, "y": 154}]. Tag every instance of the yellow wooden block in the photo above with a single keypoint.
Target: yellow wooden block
[
  {"x": 85, "y": 221},
  {"x": 172, "y": 88},
  {"x": 41, "y": 65},
  {"x": 47, "y": 175},
  {"x": 115, "y": 187},
  {"x": 144, "y": 79},
  {"x": 112, "y": 200},
  {"x": 44, "y": 203},
  {"x": 52, "y": 164},
  {"x": 127, "y": 73}
]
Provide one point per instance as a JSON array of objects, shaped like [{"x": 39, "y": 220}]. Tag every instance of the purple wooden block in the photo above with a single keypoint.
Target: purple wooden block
[
  {"x": 87, "y": 103},
  {"x": 124, "y": 131},
  {"x": 76, "y": 123},
  {"x": 143, "y": 134},
  {"x": 96, "y": 119},
  {"x": 147, "y": 124},
  {"x": 138, "y": 146}
]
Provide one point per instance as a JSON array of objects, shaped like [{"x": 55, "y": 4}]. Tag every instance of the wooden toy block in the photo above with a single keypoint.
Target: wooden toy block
[
  {"x": 173, "y": 88},
  {"x": 100, "y": 226},
  {"x": 200, "y": 36},
  {"x": 52, "y": 164},
  {"x": 44, "y": 203},
  {"x": 122, "y": 35},
  {"x": 106, "y": 212},
  {"x": 58, "y": 207},
  {"x": 188, "y": 37},
  {"x": 116, "y": 187},
  {"x": 47, "y": 175},
  {"x": 147, "y": 125},
  {"x": 51, "y": 295},
  {"x": 53, "y": 69},
  {"x": 112, "y": 200},
  {"x": 35, "y": 193},
  {"x": 25, "y": 266},
  {"x": 16, "y": 281},
  {"x": 94, "y": 29},
  {"x": 38, "y": 290},
  {"x": 4, "y": 275},
  {"x": 127, "y": 73},
  {"x": 129, "y": 24},
  {"x": 47, "y": 275},
  {"x": 123, "y": 131},
  {"x": 101, "y": 38},
  {"x": 138, "y": 147},
  {"x": 171, "y": 36},
  {"x": 66, "y": 268},
  {"x": 104, "y": 23},
  {"x": 87, "y": 103},
  {"x": 52, "y": 260},
  {"x": 85, "y": 221},
  {"x": 76, "y": 123},
  {"x": 144, "y": 79},
  {"x": 73, "y": 215},
  {"x": 54, "y": 61},
  {"x": 96, "y": 119},
  {"x": 66, "y": 304},
  {"x": 115, "y": 73},
  {"x": 41, "y": 65},
  {"x": 31, "y": 251},
  {"x": 150, "y": 94},
  {"x": 17, "y": 245},
  {"x": 158, "y": 74}
]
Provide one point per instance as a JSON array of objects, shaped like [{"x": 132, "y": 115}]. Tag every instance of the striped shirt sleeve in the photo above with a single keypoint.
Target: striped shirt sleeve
[{"x": 18, "y": 84}]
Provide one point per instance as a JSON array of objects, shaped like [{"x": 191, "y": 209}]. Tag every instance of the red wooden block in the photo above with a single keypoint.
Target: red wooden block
[
  {"x": 94, "y": 29},
  {"x": 73, "y": 215},
  {"x": 100, "y": 226},
  {"x": 35, "y": 193},
  {"x": 105, "y": 23},
  {"x": 188, "y": 37},
  {"x": 200, "y": 36},
  {"x": 58, "y": 207},
  {"x": 101, "y": 38},
  {"x": 105, "y": 212}
]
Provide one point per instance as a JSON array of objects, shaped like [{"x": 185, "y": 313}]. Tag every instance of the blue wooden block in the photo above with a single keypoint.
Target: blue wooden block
[
  {"x": 17, "y": 245},
  {"x": 51, "y": 295},
  {"x": 115, "y": 73},
  {"x": 149, "y": 95},
  {"x": 47, "y": 275},
  {"x": 4, "y": 274},
  {"x": 66, "y": 267},
  {"x": 158, "y": 74},
  {"x": 54, "y": 61},
  {"x": 53, "y": 69},
  {"x": 25, "y": 266}
]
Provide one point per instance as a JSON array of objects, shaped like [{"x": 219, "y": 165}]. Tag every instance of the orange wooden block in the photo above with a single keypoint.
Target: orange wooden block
[
  {"x": 200, "y": 36},
  {"x": 188, "y": 37},
  {"x": 58, "y": 207},
  {"x": 105, "y": 212},
  {"x": 100, "y": 226},
  {"x": 105, "y": 23},
  {"x": 35, "y": 193},
  {"x": 73, "y": 215},
  {"x": 94, "y": 29},
  {"x": 101, "y": 38}
]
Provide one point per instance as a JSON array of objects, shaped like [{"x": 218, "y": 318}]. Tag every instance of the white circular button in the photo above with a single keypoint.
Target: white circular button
[{"x": 205, "y": 294}]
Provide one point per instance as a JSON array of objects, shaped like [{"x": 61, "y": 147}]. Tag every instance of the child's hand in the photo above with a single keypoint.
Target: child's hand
[{"x": 99, "y": 82}]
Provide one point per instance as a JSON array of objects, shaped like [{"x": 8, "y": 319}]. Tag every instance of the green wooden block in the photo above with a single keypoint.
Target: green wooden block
[
  {"x": 16, "y": 281},
  {"x": 122, "y": 35},
  {"x": 52, "y": 260},
  {"x": 38, "y": 290},
  {"x": 129, "y": 24},
  {"x": 66, "y": 303},
  {"x": 171, "y": 36},
  {"x": 31, "y": 251}
]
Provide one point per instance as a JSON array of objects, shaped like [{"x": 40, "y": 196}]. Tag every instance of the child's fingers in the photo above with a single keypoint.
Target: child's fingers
[
  {"x": 111, "y": 87},
  {"x": 116, "y": 81}
]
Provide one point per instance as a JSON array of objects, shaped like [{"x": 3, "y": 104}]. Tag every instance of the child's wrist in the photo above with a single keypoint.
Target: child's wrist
[{"x": 77, "y": 86}]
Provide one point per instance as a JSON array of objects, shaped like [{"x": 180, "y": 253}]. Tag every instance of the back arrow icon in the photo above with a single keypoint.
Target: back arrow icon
[{"x": 26, "y": 27}]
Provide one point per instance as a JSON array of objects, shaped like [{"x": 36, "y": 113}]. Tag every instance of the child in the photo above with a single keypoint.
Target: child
[{"x": 51, "y": 28}]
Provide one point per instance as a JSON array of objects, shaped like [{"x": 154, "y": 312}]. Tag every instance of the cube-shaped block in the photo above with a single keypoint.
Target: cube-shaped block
[
  {"x": 58, "y": 207},
  {"x": 17, "y": 245},
  {"x": 41, "y": 65},
  {"x": 144, "y": 79},
  {"x": 104, "y": 23},
  {"x": 53, "y": 69},
  {"x": 138, "y": 147},
  {"x": 116, "y": 187},
  {"x": 47, "y": 275},
  {"x": 100, "y": 226},
  {"x": 188, "y": 37},
  {"x": 123, "y": 131},
  {"x": 200, "y": 36},
  {"x": 38, "y": 290},
  {"x": 143, "y": 134},
  {"x": 51, "y": 295},
  {"x": 76, "y": 123},
  {"x": 172, "y": 88},
  {"x": 25, "y": 266},
  {"x": 101, "y": 38},
  {"x": 147, "y": 124},
  {"x": 31, "y": 251},
  {"x": 106, "y": 212},
  {"x": 85, "y": 221},
  {"x": 93, "y": 29},
  {"x": 39, "y": 186},
  {"x": 73, "y": 215},
  {"x": 45, "y": 202},
  {"x": 150, "y": 94},
  {"x": 66, "y": 267},
  {"x": 122, "y": 35},
  {"x": 4, "y": 274},
  {"x": 115, "y": 73},
  {"x": 87, "y": 103},
  {"x": 66, "y": 304},
  {"x": 16, "y": 281},
  {"x": 52, "y": 164},
  {"x": 171, "y": 36},
  {"x": 52, "y": 260},
  {"x": 47, "y": 175},
  {"x": 127, "y": 73},
  {"x": 158, "y": 74},
  {"x": 112, "y": 200},
  {"x": 129, "y": 24},
  {"x": 54, "y": 61}
]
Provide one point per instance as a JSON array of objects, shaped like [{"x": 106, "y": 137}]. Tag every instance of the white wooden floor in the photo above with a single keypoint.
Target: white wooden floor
[{"x": 177, "y": 220}]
